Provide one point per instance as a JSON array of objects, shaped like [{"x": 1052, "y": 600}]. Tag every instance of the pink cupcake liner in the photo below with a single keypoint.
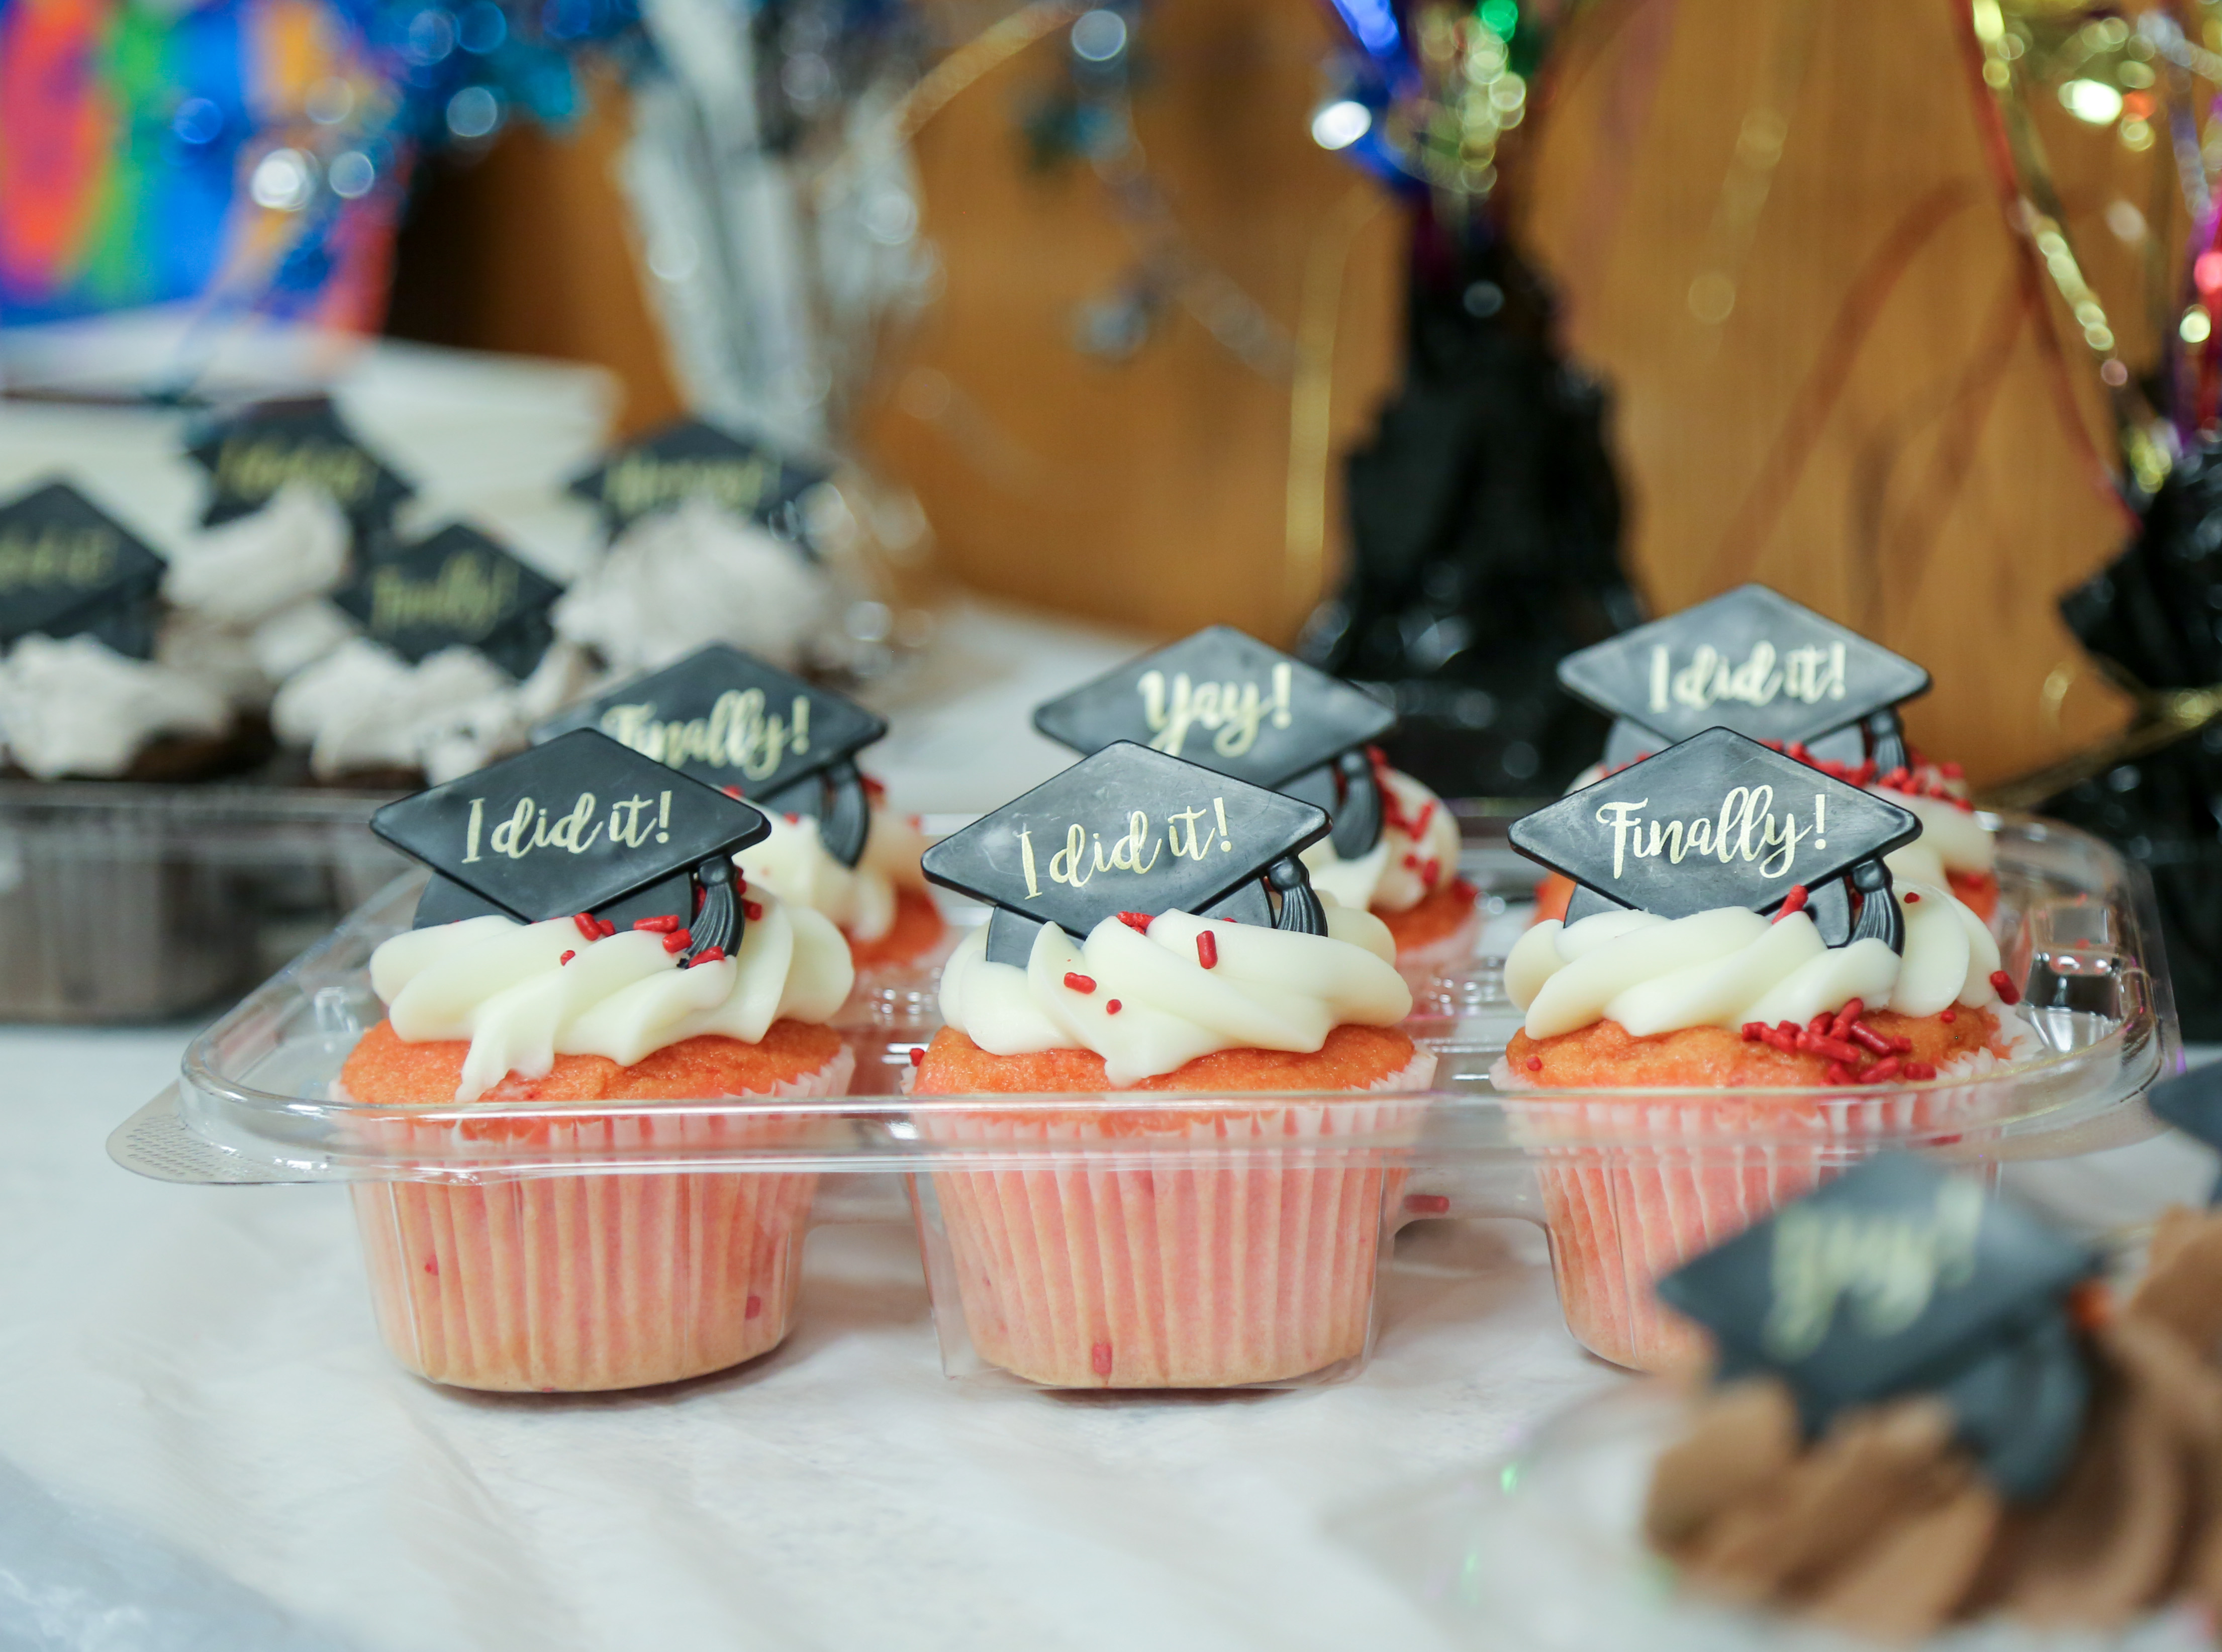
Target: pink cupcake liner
[
  {"x": 575, "y": 1282},
  {"x": 1208, "y": 1257},
  {"x": 1682, "y": 1174}
]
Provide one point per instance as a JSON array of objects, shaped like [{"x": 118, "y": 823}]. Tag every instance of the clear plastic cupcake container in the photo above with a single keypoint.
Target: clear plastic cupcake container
[
  {"x": 1110, "y": 1240},
  {"x": 121, "y": 902}
]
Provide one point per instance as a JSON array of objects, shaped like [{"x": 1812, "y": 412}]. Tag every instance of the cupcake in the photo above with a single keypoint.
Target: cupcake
[
  {"x": 1702, "y": 995},
  {"x": 596, "y": 1024},
  {"x": 1226, "y": 700},
  {"x": 1154, "y": 1245},
  {"x": 789, "y": 746}
]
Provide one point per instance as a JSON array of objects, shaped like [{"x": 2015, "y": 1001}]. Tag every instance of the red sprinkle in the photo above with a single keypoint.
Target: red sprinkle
[
  {"x": 1113, "y": 1007},
  {"x": 1207, "y": 950},
  {"x": 733, "y": 792},
  {"x": 1819, "y": 1025},
  {"x": 1534, "y": 1064},
  {"x": 1432, "y": 874},
  {"x": 567, "y": 957},
  {"x": 1919, "y": 1070},
  {"x": 1137, "y": 921},
  {"x": 1947, "y": 1016},
  {"x": 1775, "y": 1039},
  {"x": 1846, "y": 1016},
  {"x": 1077, "y": 982},
  {"x": 1835, "y": 1049},
  {"x": 432, "y": 1263},
  {"x": 663, "y": 925},
  {"x": 1793, "y": 901},
  {"x": 795, "y": 820},
  {"x": 1838, "y": 1073},
  {"x": 2002, "y": 983},
  {"x": 707, "y": 955},
  {"x": 918, "y": 1055},
  {"x": 1900, "y": 1045},
  {"x": 1886, "y": 1068},
  {"x": 752, "y": 910},
  {"x": 1912, "y": 897},
  {"x": 1753, "y": 1031},
  {"x": 608, "y": 926},
  {"x": 677, "y": 941},
  {"x": 1427, "y": 1204},
  {"x": 588, "y": 924},
  {"x": 1870, "y": 1040},
  {"x": 752, "y": 1307},
  {"x": 1099, "y": 1358},
  {"x": 1411, "y": 863}
]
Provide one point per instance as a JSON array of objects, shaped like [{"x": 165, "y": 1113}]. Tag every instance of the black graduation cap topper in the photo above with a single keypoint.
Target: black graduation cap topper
[
  {"x": 68, "y": 569},
  {"x": 456, "y": 589},
  {"x": 1225, "y": 699},
  {"x": 689, "y": 460},
  {"x": 1753, "y": 661},
  {"x": 1722, "y": 821},
  {"x": 580, "y": 824},
  {"x": 251, "y": 454},
  {"x": 1898, "y": 1277},
  {"x": 1131, "y": 830},
  {"x": 733, "y": 722}
]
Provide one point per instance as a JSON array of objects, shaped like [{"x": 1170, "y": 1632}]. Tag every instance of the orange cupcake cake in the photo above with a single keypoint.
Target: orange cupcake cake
[
  {"x": 587, "y": 1282},
  {"x": 1155, "y": 1260}
]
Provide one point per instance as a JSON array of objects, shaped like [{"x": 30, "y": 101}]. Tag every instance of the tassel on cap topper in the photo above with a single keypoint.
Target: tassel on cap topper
[
  {"x": 1722, "y": 821},
  {"x": 580, "y": 827},
  {"x": 251, "y": 454},
  {"x": 1898, "y": 1278},
  {"x": 457, "y": 589},
  {"x": 1753, "y": 661},
  {"x": 1225, "y": 699},
  {"x": 67, "y": 569},
  {"x": 730, "y": 720},
  {"x": 689, "y": 460},
  {"x": 1130, "y": 830}
]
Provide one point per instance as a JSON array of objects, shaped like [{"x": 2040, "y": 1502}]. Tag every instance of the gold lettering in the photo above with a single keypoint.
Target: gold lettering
[
  {"x": 250, "y": 468},
  {"x": 78, "y": 558},
  {"x": 470, "y": 596},
  {"x": 1064, "y": 865},
  {"x": 509, "y": 837},
  {"x": 1888, "y": 1266},
  {"x": 640, "y": 482}
]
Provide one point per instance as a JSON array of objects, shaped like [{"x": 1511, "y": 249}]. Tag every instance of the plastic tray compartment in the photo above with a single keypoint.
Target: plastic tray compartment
[
  {"x": 1103, "y": 1240},
  {"x": 128, "y": 902}
]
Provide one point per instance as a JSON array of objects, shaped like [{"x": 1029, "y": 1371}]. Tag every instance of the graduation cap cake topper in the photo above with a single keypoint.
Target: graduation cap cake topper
[
  {"x": 458, "y": 588},
  {"x": 68, "y": 569},
  {"x": 579, "y": 827},
  {"x": 690, "y": 460},
  {"x": 1896, "y": 1279},
  {"x": 731, "y": 721},
  {"x": 1130, "y": 830},
  {"x": 1225, "y": 699},
  {"x": 1720, "y": 820},
  {"x": 251, "y": 454},
  {"x": 1753, "y": 661}
]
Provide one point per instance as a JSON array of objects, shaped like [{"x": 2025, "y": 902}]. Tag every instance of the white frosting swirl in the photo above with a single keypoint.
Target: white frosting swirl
[
  {"x": 75, "y": 706},
  {"x": 1951, "y": 839},
  {"x": 679, "y": 579},
  {"x": 504, "y": 986},
  {"x": 1729, "y": 966},
  {"x": 1393, "y": 876},
  {"x": 1271, "y": 989},
  {"x": 293, "y": 548},
  {"x": 794, "y": 864},
  {"x": 364, "y": 707}
]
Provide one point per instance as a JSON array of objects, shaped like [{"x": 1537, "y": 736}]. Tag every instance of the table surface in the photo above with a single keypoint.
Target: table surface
[{"x": 203, "y": 1444}]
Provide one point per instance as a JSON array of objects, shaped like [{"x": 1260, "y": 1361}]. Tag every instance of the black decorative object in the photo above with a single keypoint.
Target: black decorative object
[
  {"x": 1130, "y": 830},
  {"x": 458, "y": 588},
  {"x": 2153, "y": 621},
  {"x": 691, "y": 460},
  {"x": 1225, "y": 699},
  {"x": 1899, "y": 1278},
  {"x": 1753, "y": 661},
  {"x": 67, "y": 569},
  {"x": 579, "y": 825},
  {"x": 1485, "y": 526},
  {"x": 733, "y": 722},
  {"x": 1720, "y": 820},
  {"x": 250, "y": 453}
]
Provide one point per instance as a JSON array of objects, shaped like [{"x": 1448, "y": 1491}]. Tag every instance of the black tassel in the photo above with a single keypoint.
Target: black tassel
[
  {"x": 1358, "y": 819},
  {"x": 1300, "y": 911},
  {"x": 1880, "y": 918},
  {"x": 1887, "y": 741},
  {"x": 848, "y": 816},
  {"x": 1829, "y": 906},
  {"x": 719, "y": 922}
]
